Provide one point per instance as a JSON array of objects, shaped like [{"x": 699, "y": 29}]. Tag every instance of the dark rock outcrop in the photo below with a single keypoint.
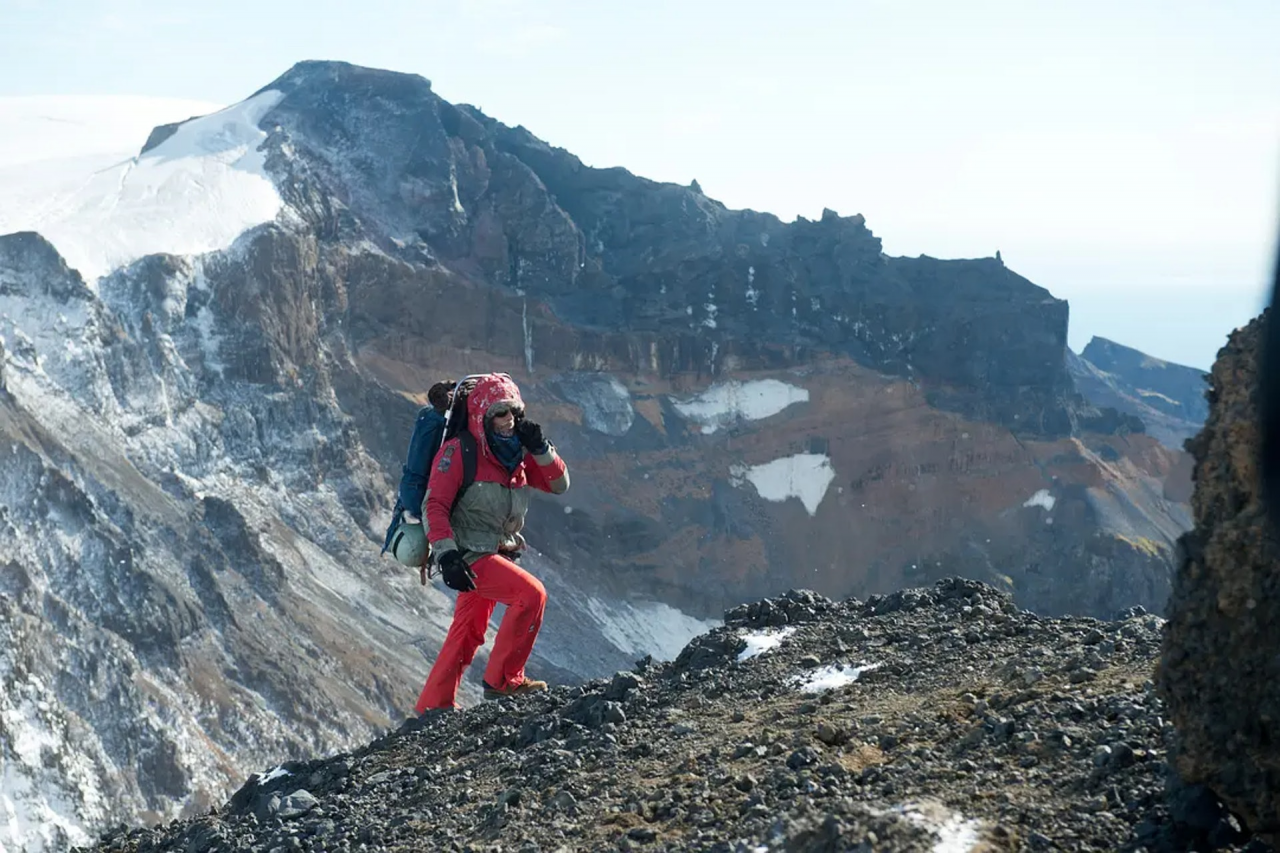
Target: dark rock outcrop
[
  {"x": 1168, "y": 398},
  {"x": 1220, "y": 665},
  {"x": 31, "y": 266}
]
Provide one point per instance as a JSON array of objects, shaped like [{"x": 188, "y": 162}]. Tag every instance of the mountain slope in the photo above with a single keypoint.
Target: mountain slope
[
  {"x": 191, "y": 582},
  {"x": 510, "y": 254}
]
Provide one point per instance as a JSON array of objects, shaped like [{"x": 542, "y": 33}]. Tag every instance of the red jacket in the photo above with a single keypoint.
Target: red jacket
[{"x": 491, "y": 514}]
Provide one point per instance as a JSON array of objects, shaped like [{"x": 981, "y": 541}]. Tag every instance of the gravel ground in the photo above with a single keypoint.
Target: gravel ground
[{"x": 940, "y": 719}]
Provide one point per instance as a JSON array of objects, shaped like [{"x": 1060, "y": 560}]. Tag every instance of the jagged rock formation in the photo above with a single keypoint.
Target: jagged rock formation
[
  {"x": 1218, "y": 665},
  {"x": 206, "y": 428},
  {"x": 940, "y": 719},
  {"x": 1168, "y": 398}
]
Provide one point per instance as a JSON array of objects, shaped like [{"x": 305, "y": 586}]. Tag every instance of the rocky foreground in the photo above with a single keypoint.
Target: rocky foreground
[{"x": 940, "y": 719}]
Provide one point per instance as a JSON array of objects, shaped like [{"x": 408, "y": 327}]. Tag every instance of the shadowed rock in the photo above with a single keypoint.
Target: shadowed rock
[{"x": 1220, "y": 667}]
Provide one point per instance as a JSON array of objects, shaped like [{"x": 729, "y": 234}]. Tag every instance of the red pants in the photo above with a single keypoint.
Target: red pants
[{"x": 497, "y": 580}]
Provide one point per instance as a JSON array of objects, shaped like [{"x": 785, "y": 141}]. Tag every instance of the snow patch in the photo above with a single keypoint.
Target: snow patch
[
  {"x": 48, "y": 791},
  {"x": 831, "y": 677},
  {"x": 1042, "y": 498},
  {"x": 956, "y": 833},
  {"x": 210, "y": 340},
  {"x": 647, "y": 627},
  {"x": 1143, "y": 392},
  {"x": 753, "y": 295},
  {"x": 274, "y": 773},
  {"x": 806, "y": 476},
  {"x": 196, "y": 192},
  {"x": 710, "y": 320},
  {"x": 726, "y": 403},
  {"x": 759, "y": 642},
  {"x": 528, "y": 333},
  {"x": 453, "y": 182}
]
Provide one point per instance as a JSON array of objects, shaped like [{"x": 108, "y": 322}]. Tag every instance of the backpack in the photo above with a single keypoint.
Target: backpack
[{"x": 408, "y": 542}]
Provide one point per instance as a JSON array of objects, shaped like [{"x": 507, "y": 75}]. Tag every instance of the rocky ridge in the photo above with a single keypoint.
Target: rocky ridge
[
  {"x": 1168, "y": 398},
  {"x": 940, "y": 718},
  {"x": 618, "y": 273}
]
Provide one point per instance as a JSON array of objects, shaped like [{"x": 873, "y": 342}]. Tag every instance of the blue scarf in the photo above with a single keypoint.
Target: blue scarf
[{"x": 507, "y": 449}]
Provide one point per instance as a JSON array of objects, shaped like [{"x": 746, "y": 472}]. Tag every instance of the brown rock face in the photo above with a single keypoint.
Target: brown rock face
[{"x": 1220, "y": 667}]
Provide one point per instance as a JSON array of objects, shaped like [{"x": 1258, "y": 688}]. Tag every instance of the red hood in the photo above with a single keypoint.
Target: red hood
[{"x": 490, "y": 389}]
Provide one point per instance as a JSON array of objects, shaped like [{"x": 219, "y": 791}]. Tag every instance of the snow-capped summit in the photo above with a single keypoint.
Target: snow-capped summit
[{"x": 195, "y": 192}]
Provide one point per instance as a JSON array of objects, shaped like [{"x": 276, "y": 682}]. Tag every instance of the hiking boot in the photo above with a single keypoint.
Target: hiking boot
[{"x": 526, "y": 686}]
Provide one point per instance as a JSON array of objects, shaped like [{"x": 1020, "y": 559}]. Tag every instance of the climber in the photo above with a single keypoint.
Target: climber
[
  {"x": 428, "y": 431},
  {"x": 477, "y": 542}
]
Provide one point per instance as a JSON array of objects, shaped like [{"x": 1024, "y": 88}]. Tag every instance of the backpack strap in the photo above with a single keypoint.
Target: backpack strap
[{"x": 467, "y": 444}]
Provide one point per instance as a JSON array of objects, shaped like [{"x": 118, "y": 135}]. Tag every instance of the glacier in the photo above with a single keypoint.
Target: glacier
[{"x": 195, "y": 192}]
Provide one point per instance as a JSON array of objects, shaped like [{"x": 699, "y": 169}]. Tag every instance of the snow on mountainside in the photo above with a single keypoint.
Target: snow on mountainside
[
  {"x": 51, "y": 147},
  {"x": 195, "y": 192},
  {"x": 729, "y": 402}
]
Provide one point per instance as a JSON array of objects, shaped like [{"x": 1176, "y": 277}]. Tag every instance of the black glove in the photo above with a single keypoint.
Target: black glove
[
  {"x": 530, "y": 434},
  {"x": 456, "y": 573}
]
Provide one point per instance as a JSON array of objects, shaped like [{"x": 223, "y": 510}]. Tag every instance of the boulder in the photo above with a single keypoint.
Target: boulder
[{"x": 1220, "y": 662}]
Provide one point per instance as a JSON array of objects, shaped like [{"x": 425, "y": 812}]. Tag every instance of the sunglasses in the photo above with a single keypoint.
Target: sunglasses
[{"x": 501, "y": 410}]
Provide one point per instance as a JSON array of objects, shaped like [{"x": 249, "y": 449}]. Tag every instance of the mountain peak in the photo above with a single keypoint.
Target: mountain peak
[
  {"x": 1168, "y": 397},
  {"x": 342, "y": 75},
  {"x": 1102, "y": 351}
]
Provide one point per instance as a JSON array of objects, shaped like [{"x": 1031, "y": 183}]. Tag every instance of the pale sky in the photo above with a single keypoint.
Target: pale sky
[{"x": 1121, "y": 154}]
